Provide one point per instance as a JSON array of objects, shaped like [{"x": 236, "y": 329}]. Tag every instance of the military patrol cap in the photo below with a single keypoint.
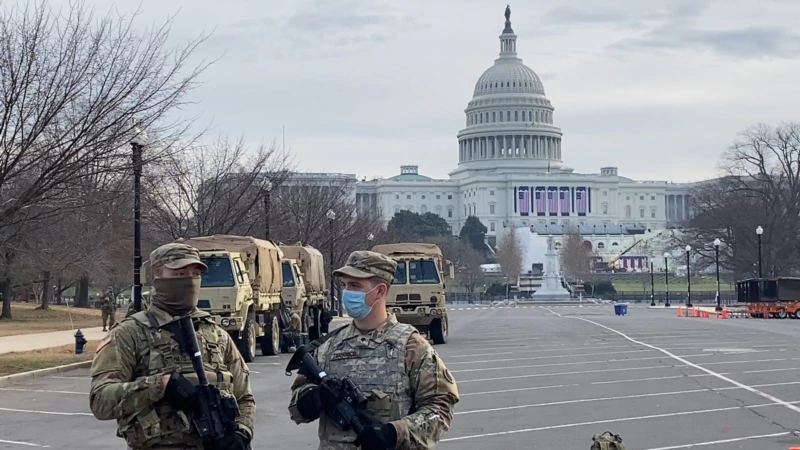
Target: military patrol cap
[
  {"x": 175, "y": 256},
  {"x": 365, "y": 264}
]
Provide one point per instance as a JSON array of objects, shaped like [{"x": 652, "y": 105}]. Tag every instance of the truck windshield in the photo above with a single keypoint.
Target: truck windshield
[
  {"x": 288, "y": 276},
  {"x": 400, "y": 273},
  {"x": 219, "y": 273},
  {"x": 423, "y": 272}
]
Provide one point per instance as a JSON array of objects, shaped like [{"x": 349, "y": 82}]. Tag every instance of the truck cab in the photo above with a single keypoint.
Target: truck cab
[
  {"x": 294, "y": 286},
  {"x": 417, "y": 294}
]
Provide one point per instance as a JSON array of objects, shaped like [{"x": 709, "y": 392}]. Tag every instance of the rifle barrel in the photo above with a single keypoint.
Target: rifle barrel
[{"x": 193, "y": 348}]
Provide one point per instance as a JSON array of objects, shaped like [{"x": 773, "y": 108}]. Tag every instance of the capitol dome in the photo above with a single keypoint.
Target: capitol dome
[
  {"x": 509, "y": 75},
  {"x": 509, "y": 121}
]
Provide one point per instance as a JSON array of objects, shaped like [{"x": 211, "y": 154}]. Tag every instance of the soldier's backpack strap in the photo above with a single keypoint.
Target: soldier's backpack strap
[{"x": 311, "y": 347}]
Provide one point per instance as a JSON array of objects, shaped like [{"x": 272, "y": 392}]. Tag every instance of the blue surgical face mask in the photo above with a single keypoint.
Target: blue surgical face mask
[{"x": 355, "y": 303}]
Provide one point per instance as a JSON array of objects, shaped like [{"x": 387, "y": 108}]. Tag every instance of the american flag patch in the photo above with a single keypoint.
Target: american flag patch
[{"x": 106, "y": 340}]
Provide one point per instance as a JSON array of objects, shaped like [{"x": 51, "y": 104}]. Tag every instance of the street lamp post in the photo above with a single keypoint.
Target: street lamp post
[
  {"x": 331, "y": 217},
  {"x": 666, "y": 279},
  {"x": 717, "y": 242},
  {"x": 652, "y": 286},
  {"x": 267, "y": 188},
  {"x": 137, "y": 143},
  {"x": 688, "y": 278},
  {"x": 759, "y": 232}
]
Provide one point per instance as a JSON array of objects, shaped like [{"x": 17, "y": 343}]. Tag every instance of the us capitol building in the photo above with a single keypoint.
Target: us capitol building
[{"x": 511, "y": 173}]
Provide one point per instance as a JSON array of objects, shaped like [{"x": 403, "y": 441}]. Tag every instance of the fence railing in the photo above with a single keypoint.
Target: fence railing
[{"x": 727, "y": 297}]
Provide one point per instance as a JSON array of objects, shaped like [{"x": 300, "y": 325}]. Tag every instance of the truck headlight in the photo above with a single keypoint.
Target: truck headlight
[
  {"x": 434, "y": 299},
  {"x": 226, "y": 322}
]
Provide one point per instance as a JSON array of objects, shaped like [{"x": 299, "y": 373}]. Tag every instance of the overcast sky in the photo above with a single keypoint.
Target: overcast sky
[{"x": 658, "y": 88}]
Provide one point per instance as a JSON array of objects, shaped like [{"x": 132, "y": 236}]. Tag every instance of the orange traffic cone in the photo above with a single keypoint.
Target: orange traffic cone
[{"x": 680, "y": 311}]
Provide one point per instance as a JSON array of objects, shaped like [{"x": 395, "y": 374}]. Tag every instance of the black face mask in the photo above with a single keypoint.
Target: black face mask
[{"x": 177, "y": 296}]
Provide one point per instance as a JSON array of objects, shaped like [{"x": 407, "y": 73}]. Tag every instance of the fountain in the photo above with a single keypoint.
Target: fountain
[{"x": 551, "y": 289}]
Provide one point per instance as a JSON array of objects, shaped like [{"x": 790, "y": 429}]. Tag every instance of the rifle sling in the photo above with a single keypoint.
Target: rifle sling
[{"x": 314, "y": 345}]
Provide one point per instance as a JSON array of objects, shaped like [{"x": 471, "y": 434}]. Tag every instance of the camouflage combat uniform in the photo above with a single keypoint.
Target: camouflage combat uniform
[
  {"x": 109, "y": 309},
  {"x": 404, "y": 378},
  {"x": 128, "y": 375}
]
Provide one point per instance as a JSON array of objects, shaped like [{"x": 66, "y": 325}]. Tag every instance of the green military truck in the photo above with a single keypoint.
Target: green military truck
[
  {"x": 304, "y": 291},
  {"x": 417, "y": 295}
]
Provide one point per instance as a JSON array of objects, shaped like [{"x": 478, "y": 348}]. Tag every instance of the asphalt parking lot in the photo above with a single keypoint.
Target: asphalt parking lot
[{"x": 529, "y": 377}]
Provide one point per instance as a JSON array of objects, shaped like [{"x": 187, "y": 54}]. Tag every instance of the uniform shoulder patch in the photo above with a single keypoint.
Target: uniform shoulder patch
[
  {"x": 106, "y": 340},
  {"x": 449, "y": 376}
]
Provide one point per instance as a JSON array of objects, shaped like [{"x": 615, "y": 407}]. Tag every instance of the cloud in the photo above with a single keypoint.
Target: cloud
[
  {"x": 323, "y": 29},
  {"x": 633, "y": 15},
  {"x": 750, "y": 42}
]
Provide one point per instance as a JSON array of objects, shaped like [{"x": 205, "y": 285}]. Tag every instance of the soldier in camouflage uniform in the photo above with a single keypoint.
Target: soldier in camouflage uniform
[
  {"x": 108, "y": 307},
  {"x": 411, "y": 393},
  {"x": 141, "y": 378}
]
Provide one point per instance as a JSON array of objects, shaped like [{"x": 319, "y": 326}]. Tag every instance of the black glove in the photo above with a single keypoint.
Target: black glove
[
  {"x": 309, "y": 403},
  {"x": 234, "y": 441},
  {"x": 379, "y": 436},
  {"x": 180, "y": 392}
]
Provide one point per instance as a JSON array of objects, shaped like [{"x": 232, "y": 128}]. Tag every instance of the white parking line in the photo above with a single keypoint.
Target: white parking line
[
  {"x": 45, "y": 391},
  {"x": 723, "y": 441},
  {"x": 52, "y": 413},
  {"x": 593, "y": 422},
  {"x": 603, "y": 421},
  {"x": 581, "y": 363},
  {"x": 582, "y": 400},
  {"x": 581, "y": 372},
  {"x": 533, "y": 388},
  {"x": 483, "y": 361},
  {"x": 769, "y": 397},
  {"x": 27, "y": 444},
  {"x": 622, "y": 397}
]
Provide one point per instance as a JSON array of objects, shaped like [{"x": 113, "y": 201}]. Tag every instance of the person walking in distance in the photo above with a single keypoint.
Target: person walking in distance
[
  {"x": 410, "y": 391},
  {"x": 108, "y": 308},
  {"x": 143, "y": 380}
]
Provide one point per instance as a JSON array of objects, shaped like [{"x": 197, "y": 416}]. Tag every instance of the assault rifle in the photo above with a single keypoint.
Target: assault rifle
[
  {"x": 214, "y": 416},
  {"x": 347, "y": 398}
]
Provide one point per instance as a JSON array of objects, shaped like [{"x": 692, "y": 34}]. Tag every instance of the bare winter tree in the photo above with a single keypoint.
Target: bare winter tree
[
  {"x": 761, "y": 187},
  {"x": 467, "y": 262},
  {"x": 509, "y": 255},
  {"x": 575, "y": 257},
  {"x": 72, "y": 89},
  {"x": 212, "y": 189}
]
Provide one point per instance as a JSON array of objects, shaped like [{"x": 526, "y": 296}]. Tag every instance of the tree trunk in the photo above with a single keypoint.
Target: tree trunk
[
  {"x": 47, "y": 290},
  {"x": 59, "y": 291},
  {"x": 82, "y": 293},
  {"x": 5, "y": 291}
]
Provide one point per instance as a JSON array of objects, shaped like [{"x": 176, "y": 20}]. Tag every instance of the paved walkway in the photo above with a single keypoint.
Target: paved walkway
[{"x": 37, "y": 341}]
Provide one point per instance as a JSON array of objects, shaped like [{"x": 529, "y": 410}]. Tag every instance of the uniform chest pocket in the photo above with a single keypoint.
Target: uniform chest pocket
[
  {"x": 212, "y": 354},
  {"x": 380, "y": 405}
]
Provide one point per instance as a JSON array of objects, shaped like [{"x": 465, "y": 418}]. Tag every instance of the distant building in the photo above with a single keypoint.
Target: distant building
[{"x": 511, "y": 173}]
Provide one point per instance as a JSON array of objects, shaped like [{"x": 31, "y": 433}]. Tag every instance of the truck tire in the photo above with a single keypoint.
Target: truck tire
[
  {"x": 271, "y": 341},
  {"x": 313, "y": 330},
  {"x": 247, "y": 343},
  {"x": 438, "y": 331}
]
